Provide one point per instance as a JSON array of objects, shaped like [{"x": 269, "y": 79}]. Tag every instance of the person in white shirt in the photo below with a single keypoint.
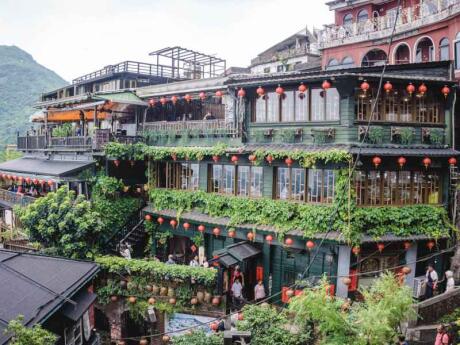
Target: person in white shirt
[
  {"x": 259, "y": 291},
  {"x": 431, "y": 280},
  {"x": 450, "y": 281},
  {"x": 194, "y": 262},
  {"x": 237, "y": 292}
]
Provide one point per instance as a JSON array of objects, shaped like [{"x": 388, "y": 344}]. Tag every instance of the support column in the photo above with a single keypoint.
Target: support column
[
  {"x": 343, "y": 270},
  {"x": 411, "y": 257}
]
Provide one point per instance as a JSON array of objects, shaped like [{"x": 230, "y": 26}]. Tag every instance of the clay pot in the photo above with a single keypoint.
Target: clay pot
[
  {"x": 163, "y": 291},
  {"x": 155, "y": 290},
  {"x": 151, "y": 301},
  {"x": 216, "y": 301},
  {"x": 200, "y": 296},
  {"x": 207, "y": 297},
  {"x": 171, "y": 292},
  {"x": 113, "y": 298},
  {"x": 148, "y": 288},
  {"x": 194, "y": 301}
]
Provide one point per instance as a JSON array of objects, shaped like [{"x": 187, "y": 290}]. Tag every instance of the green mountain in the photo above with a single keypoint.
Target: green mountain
[{"x": 22, "y": 80}]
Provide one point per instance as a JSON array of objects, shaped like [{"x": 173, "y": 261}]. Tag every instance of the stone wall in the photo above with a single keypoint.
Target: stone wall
[{"x": 431, "y": 310}]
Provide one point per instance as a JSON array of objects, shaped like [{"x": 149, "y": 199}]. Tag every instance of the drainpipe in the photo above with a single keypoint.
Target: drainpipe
[{"x": 454, "y": 102}]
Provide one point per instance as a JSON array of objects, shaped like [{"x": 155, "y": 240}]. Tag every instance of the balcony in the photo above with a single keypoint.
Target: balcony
[
  {"x": 283, "y": 55},
  {"x": 409, "y": 19},
  {"x": 15, "y": 199}
]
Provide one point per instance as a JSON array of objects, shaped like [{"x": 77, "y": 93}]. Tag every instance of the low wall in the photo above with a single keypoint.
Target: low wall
[{"x": 431, "y": 310}]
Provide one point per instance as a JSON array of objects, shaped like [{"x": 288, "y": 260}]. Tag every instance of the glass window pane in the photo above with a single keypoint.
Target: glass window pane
[
  {"x": 287, "y": 107},
  {"x": 194, "y": 177},
  {"x": 329, "y": 185},
  {"x": 373, "y": 189},
  {"x": 273, "y": 107},
  {"x": 332, "y": 104},
  {"x": 317, "y": 104},
  {"x": 360, "y": 187},
  {"x": 418, "y": 187},
  {"x": 216, "y": 178},
  {"x": 432, "y": 189},
  {"x": 457, "y": 55},
  {"x": 228, "y": 179},
  {"x": 282, "y": 183},
  {"x": 261, "y": 109},
  {"x": 404, "y": 187},
  {"x": 301, "y": 106},
  {"x": 315, "y": 181},
  {"x": 257, "y": 179},
  {"x": 389, "y": 187},
  {"x": 243, "y": 180},
  {"x": 298, "y": 184}
]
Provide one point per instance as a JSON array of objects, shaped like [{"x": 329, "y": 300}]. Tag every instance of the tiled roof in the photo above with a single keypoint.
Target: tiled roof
[{"x": 396, "y": 150}]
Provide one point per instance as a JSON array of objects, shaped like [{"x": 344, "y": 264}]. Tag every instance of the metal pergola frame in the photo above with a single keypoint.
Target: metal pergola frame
[{"x": 190, "y": 64}]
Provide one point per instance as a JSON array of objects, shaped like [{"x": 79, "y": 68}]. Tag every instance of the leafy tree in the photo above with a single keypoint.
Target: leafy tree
[
  {"x": 197, "y": 338},
  {"x": 22, "y": 335},
  {"x": 374, "y": 321},
  {"x": 270, "y": 326},
  {"x": 64, "y": 223}
]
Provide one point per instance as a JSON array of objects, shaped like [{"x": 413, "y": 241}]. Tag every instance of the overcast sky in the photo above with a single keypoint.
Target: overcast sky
[{"x": 75, "y": 37}]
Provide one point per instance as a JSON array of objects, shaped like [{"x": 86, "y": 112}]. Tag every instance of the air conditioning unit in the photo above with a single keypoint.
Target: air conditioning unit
[{"x": 419, "y": 287}]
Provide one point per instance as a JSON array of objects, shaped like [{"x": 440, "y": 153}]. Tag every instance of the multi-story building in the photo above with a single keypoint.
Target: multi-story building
[{"x": 298, "y": 51}]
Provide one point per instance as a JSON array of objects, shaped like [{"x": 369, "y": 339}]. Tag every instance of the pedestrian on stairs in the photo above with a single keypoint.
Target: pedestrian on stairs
[
  {"x": 431, "y": 281},
  {"x": 442, "y": 338}
]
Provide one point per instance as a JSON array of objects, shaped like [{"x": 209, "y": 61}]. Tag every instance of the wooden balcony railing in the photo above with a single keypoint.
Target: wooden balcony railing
[
  {"x": 36, "y": 142},
  {"x": 220, "y": 127},
  {"x": 15, "y": 198},
  {"x": 77, "y": 143}
]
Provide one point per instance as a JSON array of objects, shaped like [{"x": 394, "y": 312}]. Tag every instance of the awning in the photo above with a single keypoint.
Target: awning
[
  {"x": 235, "y": 253},
  {"x": 83, "y": 301},
  {"x": 401, "y": 151},
  {"x": 122, "y": 97},
  {"x": 34, "y": 167}
]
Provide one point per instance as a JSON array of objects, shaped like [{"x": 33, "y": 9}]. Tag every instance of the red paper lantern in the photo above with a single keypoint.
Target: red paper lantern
[
  {"x": 260, "y": 91},
  {"x": 163, "y": 100},
  {"x": 346, "y": 281},
  {"x": 214, "y": 326},
  {"x": 174, "y": 99},
  {"x": 14, "y": 177},
  {"x": 219, "y": 93},
  {"x": 231, "y": 233},
  {"x": 202, "y": 95},
  {"x": 116, "y": 162},
  {"x": 410, "y": 89},
  {"x": 201, "y": 228},
  {"x": 4, "y": 176},
  {"x": 186, "y": 226},
  {"x": 27, "y": 180},
  {"x": 160, "y": 220},
  {"x": 445, "y": 91},
  {"x": 234, "y": 159},
  {"x": 288, "y": 161},
  {"x": 279, "y": 90},
  {"x": 188, "y": 98},
  {"x": 377, "y": 161},
  {"x": 365, "y": 86},
  {"x": 380, "y": 247},
  {"x": 407, "y": 245},
  {"x": 430, "y": 245},
  {"x": 356, "y": 250},
  {"x": 401, "y": 161},
  {"x": 143, "y": 342},
  {"x": 252, "y": 158},
  {"x": 148, "y": 217},
  {"x": 20, "y": 179},
  {"x": 326, "y": 85},
  {"x": 240, "y": 317},
  {"x": 151, "y": 102},
  {"x": 452, "y": 161},
  {"x": 35, "y": 181},
  {"x": 250, "y": 236},
  {"x": 241, "y": 93},
  {"x": 174, "y": 156},
  {"x": 269, "y": 159},
  {"x": 310, "y": 245},
  {"x": 426, "y": 162},
  {"x": 216, "y": 231},
  {"x": 173, "y": 223},
  {"x": 288, "y": 241},
  {"x": 388, "y": 87},
  {"x": 422, "y": 89},
  {"x": 269, "y": 238},
  {"x": 302, "y": 88},
  {"x": 215, "y": 158},
  {"x": 50, "y": 183},
  {"x": 41, "y": 182}
]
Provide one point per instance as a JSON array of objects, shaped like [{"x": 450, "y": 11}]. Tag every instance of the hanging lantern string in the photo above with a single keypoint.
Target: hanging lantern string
[{"x": 201, "y": 324}]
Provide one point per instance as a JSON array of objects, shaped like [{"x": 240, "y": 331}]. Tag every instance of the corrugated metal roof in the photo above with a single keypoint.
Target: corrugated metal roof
[
  {"x": 404, "y": 151},
  {"x": 122, "y": 97},
  {"x": 40, "y": 167}
]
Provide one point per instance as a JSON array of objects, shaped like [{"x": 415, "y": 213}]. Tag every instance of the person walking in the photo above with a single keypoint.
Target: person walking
[
  {"x": 402, "y": 340},
  {"x": 237, "y": 292},
  {"x": 259, "y": 291},
  {"x": 431, "y": 281},
  {"x": 450, "y": 285},
  {"x": 442, "y": 338}
]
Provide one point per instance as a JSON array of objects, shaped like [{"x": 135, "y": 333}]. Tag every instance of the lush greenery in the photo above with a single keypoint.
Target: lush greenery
[
  {"x": 141, "y": 151},
  {"x": 65, "y": 224},
  {"x": 9, "y": 154},
  {"x": 374, "y": 321},
  {"x": 198, "y": 338},
  {"x": 22, "y": 80},
  {"x": 269, "y": 325},
  {"x": 155, "y": 271},
  {"x": 22, "y": 335},
  {"x": 284, "y": 216}
]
